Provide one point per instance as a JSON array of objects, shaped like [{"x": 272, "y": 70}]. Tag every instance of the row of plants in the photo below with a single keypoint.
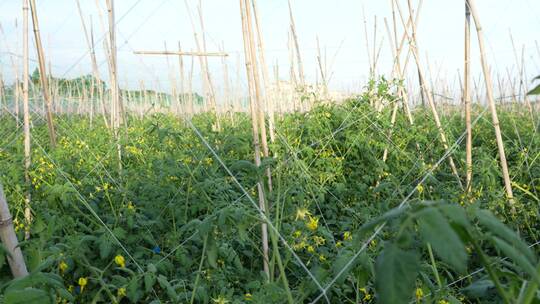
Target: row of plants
[{"x": 173, "y": 226}]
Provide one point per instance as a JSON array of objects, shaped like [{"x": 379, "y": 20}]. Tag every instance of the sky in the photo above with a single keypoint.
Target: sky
[{"x": 337, "y": 24}]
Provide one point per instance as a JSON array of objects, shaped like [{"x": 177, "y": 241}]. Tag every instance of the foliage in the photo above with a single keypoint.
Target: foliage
[{"x": 180, "y": 230}]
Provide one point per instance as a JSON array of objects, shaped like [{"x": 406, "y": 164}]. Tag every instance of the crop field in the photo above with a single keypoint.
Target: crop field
[
  {"x": 178, "y": 222},
  {"x": 130, "y": 174}
]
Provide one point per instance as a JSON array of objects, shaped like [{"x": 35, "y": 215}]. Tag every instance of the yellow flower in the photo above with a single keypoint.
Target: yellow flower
[
  {"x": 120, "y": 261},
  {"x": 82, "y": 282},
  {"x": 347, "y": 236},
  {"x": 297, "y": 233},
  {"x": 62, "y": 266},
  {"x": 121, "y": 292},
  {"x": 299, "y": 246},
  {"x": 443, "y": 302},
  {"x": 310, "y": 249},
  {"x": 322, "y": 258},
  {"x": 367, "y": 296},
  {"x": 130, "y": 206},
  {"x": 420, "y": 188},
  {"x": 220, "y": 300},
  {"x": 319, "y": 240},
  {"x": 301, "y": 214},
  {"x": 313, "y": 223},
  {"x": 339, "y": 244},
  {"x": 419, "y": 293},
  {"x": 248, "y": 297}
]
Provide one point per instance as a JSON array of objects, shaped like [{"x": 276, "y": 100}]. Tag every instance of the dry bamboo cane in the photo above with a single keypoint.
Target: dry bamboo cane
[
  {"x": 297, "y": 47},
  {"x": 248, "y": 46},
  {"x": 43, "y": 74},
  {"x": 269, "y": 100},
  {"x": 260, "y": 99},
  {"x": 9, "y": 239},
  {"x": 322, "y": 70},
  {"x": 182, "y": 80},
  {"x": 293, "y": 83},
  {"x": 226, "y": 85},
  {"x": 95, "y": 71},
  {"x": 212, "y": 92},
  {"x": 26, "y": 120},
  {"x": 467, "y": 98},
  {"x": 522, "y": 87},
  {"x": 258, "y": 91},
  {"x": 172, "y": 79},
  {"x": 115, "y": 94},
  {"x": 401, "y": 90},
  {"x": 425, "y": 88},
  {"x": 491, "y": 101}
]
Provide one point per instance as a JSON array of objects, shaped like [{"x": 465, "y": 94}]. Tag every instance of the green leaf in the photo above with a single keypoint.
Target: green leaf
[
  {"x": 149, "y": 281},
  {"x": 456, "y": 214},
  {"x": 395, "y": 274},
  {"x": 167, "y": 286},
  {"x": 535, "y": 91},
  {"x": 26, "y": 296},
  {"x": 105, "y": 246},
  {"x": 212, "y": 252},
  {"x": 516, "y": 256},
  {"x": 496, "y": 227},
  {"x": 435, "y": 230},
  {"x": 479, "y": 289}
]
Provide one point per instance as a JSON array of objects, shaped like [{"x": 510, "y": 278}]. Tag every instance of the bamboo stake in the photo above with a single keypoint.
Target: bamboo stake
[
  {"x": 211, "y": 90},
  {"x": 491, "y": 101},
  {"x": 26, "y": 120},
  {"x": 9, "y": 239},
  {"x": 95, "y": 71},
  {"x": 182, "y": 80},
  {"x": 297, "y": 47},
  {"x": 467, "y": 98},
  {"x": 180, "y": 53},
  {"x": 43, "y": 74},
  {"x": 115, "y": 94},
  {"x": 425, "y": 88},
  {"x": 269, "y": 100},
  {"x": 248, "y": 47}
]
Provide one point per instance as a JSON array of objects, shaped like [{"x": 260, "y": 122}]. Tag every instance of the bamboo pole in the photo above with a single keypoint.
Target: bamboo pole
[
  {"x": 269, "y": 99},
  {"x": 26, "y": 121},
  {"x": 491, "y": 101},
  {"x": 182, "y": 79},
  {"x": 248, "y": 47},
  {"x": 467, "y": 98},
  {"x": 95, "y": 70},
  {"x": 211, "y": 90},
  {"x": 297, "y": 47},
  {"x": 115, "y": 94},
  {"x": 9, "y": 239},
  {"x": 180, "y": 53},
  {"x": 426, "y": 89},
  {"x": 258, "y": 91},
  {"x": 43, "y": 74}
]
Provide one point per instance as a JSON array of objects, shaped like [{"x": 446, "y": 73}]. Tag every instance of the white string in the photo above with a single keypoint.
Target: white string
[
  {"x": 400, "y": 206},
  {"x": 262, "y": 214}
]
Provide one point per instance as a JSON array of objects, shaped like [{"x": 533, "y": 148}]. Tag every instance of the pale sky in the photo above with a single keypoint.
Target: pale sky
[{"x": 339, "y": 24}]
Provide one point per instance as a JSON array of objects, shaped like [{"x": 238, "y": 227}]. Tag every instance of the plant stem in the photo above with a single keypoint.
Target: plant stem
[
  {"x": 491, "y": 273},
  {"x": 434, "y": 266},
  {"x": 280, "y": 266},
  {"x": 199, "y": 270}
]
